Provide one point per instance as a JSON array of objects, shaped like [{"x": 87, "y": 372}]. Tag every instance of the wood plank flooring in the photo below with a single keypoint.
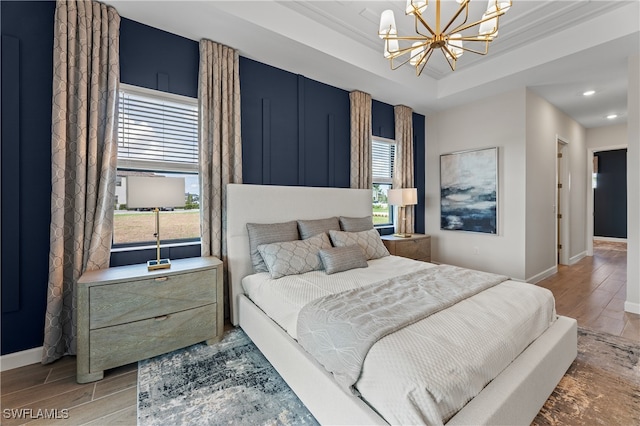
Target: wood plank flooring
[{"x": 593, "y": 291}]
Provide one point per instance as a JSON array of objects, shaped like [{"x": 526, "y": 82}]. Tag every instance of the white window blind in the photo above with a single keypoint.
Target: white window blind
[
  {"x": 157, "y": 131},
  {"x": 382, "y": 158}
]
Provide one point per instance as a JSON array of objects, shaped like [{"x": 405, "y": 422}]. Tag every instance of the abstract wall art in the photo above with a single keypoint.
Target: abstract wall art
[{"x": 468, "y": 191}]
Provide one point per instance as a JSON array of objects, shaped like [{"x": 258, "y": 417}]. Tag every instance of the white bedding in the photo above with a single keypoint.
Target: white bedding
[{"x": 428, "y": 371}]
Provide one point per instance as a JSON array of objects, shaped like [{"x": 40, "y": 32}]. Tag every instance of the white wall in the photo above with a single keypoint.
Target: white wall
[
  {"x": 524, "y": 127},
  {"x": 498, "y": 121},
  {"x": 607, "y": 137},
  {"x": 633, "y": 187},
  {"x": 545, "y": 124}
]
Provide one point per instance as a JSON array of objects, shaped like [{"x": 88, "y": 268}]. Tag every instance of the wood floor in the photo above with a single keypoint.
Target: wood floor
[{"x": 593, "y": 291}]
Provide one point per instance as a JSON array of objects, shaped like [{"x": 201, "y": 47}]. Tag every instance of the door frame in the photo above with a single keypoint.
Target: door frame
[
  {"x": 564, "y": 177},
  {"x": 590, "y": 207}
]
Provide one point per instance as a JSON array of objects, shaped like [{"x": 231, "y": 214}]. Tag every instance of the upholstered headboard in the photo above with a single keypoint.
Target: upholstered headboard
[{"x": 273, "y": 204}]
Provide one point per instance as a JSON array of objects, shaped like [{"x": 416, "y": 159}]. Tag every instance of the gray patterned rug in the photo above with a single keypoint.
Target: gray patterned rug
[
  {"x": 227, "y": 383},
  {"x": 232, "y": 383}
]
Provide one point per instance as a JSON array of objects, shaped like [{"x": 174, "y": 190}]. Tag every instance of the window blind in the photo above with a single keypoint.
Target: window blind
[
  {"x": 157, "y": 133},
  {"x": 382, "y": 159}
]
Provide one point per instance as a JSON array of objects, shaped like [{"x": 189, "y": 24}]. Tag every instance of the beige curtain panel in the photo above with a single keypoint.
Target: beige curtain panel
[
  {"x": 361, "y": 173},
  {"x": 86, "y": 75},
  {"x": 403, "y": 166},
  {"x": 220, "y": 149}
]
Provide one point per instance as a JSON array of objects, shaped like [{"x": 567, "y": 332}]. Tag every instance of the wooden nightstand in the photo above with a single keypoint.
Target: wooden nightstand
[
  {"x": 417, "y": 246},
  {"x": 128, "y": 313}
]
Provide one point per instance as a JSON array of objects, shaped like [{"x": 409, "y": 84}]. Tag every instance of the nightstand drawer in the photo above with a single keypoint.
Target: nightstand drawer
[
  {"x": 122, "y": 344},
  {"x": 418, "y": 249},
  {"x": 121, "y": 303}
]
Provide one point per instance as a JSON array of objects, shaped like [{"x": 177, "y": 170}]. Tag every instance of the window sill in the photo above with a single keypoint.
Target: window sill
[{"x": 153, "y": 246}]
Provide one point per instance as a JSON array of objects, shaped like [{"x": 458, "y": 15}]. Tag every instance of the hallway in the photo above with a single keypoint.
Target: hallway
[{"x": 594, "y": 290}]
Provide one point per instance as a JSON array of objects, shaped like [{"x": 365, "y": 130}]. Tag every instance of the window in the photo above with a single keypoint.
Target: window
[
  {"x": 383, "y": 156},
  {"x": 157, "y": 136}
]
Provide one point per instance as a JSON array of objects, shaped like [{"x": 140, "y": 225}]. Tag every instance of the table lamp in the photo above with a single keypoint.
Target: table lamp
[
  {"x": 403, "y": 197},
  {"x": 155, "y": 192}
]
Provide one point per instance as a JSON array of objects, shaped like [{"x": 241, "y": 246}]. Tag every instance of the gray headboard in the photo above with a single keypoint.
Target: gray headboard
[{"x": 273, "y": 204}]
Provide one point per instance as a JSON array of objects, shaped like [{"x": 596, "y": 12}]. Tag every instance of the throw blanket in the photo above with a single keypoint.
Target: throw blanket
[{"x": 339, "y": 329}]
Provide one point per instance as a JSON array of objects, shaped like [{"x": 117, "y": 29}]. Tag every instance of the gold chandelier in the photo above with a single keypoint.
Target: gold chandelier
[{"x": 449, "y": 38}]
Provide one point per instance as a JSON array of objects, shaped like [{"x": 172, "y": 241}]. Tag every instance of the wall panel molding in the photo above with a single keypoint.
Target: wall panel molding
[
  {"x": 10, "y": 179},
  {"x": 266, "y": 141}
]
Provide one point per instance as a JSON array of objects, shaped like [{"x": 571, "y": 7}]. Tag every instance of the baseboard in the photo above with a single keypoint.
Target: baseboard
[
  {"x": 20, "y": 359},
  {"x": 577, "y": 258},
  {"x": 542, "y": 275},
  {"x": 631, "y": 307},
  {"x": 610, "y": 239}
]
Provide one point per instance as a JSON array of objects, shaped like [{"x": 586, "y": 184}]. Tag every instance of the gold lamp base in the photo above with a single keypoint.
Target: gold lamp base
[
  {"x": 402, "y": 235},
  {"x": 152, "y": 265}
]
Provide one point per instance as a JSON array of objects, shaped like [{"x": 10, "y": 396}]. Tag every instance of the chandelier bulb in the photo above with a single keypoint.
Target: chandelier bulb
[
  {"x": 391, "y": 48},
  {"x": 417, "y": 53}
]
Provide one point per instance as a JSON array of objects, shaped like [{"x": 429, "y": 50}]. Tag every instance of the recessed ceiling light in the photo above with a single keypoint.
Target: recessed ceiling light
[
  {"x": 612, "y": 116},
  {"x": 589, "y": 93}
]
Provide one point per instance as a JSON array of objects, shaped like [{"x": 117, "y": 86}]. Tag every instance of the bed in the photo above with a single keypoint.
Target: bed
[{"x": 514, "y": 396}]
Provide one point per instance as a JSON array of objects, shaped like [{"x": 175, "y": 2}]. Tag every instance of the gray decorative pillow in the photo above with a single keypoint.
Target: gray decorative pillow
[
  {"x": 294, "y": 257},
  {"x": 338, "y": 259},
  {"x": 356, "y": 224},
  {"x": 309, "y": 228},
  {"x": 266, "y": 233},
  {"x": 369, "y": 241}
]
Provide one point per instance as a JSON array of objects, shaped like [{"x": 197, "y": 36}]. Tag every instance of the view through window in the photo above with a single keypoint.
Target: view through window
[
  {"x": 157, "y": 136},
  {"x": 383, "y": 156}
]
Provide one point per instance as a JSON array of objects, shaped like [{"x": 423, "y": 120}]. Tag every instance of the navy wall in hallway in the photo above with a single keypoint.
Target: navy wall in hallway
[{"x": 610, "y": 196}]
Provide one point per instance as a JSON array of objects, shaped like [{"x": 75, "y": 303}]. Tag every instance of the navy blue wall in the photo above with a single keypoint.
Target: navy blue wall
[
  {"x": 26, "y": 170},
  {"x": 295, "y": 132},
  {"x": 610, "y": 196}
]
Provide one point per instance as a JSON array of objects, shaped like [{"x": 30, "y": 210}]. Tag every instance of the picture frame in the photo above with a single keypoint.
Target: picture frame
[{"x": 469, "y": 191}]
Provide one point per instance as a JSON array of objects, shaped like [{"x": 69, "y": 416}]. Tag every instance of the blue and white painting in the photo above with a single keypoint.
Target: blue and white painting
[{"x": 468, "y": 188}]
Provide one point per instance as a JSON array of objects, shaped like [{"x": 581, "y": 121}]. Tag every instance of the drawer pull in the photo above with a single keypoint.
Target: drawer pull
[
  {"x": 161, "y": 317},
  {"x": 161, "y": 279}
]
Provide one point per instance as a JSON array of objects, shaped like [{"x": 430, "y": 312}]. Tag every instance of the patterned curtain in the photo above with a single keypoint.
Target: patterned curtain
[
  {"x": 361, "y": 174},
  {"x": 220, "y": 150},
  {"x": 403, "y": 167},
  {"x": 86, "y": 75}
]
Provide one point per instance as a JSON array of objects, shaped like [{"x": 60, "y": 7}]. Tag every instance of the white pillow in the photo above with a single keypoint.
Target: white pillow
[
  {"x": 294, "y": 257},
  {"x": 369, "y": 241}
]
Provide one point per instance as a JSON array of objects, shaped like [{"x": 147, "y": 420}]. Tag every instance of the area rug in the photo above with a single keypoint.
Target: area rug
[
  {"x": 602, "y": 386},
  {"x": 230, "y": 383}
]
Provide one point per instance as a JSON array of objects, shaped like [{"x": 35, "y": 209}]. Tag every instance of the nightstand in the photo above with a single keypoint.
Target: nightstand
[
  {"x": 128, "y": 313},
  {"x": 417, "y": 246}
]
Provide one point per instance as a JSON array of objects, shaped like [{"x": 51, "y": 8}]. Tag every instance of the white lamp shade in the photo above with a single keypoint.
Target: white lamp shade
[
  {"x": 152, "y": 192},
  {"x": 387, "y": 24},
  {"x": 403, "y": 197},
  {"x": 417, "y": 53},
  {"x": 455, "y": 45},
  {"x": 391, "y": 48},
  {"x": 413, "y": 5},
  {"x": 489, "y": 28}
]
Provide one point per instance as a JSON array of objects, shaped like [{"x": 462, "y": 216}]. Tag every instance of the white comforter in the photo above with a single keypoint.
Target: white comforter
[{"x": 428, "y": 371}]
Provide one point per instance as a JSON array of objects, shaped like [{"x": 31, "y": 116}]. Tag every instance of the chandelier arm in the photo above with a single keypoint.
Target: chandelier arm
[
  {"x": 496, "y": 16},
  {"x": 418, "y": 17},
  {"x": 451, "y": 65},
  {"x": 486, "y": 48},
  {"x": 408, "y": 38},
  {"x": 464, "y": 6},
  {"x": 423, "y": 63},
  {"x": 403, "y": 62}
]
